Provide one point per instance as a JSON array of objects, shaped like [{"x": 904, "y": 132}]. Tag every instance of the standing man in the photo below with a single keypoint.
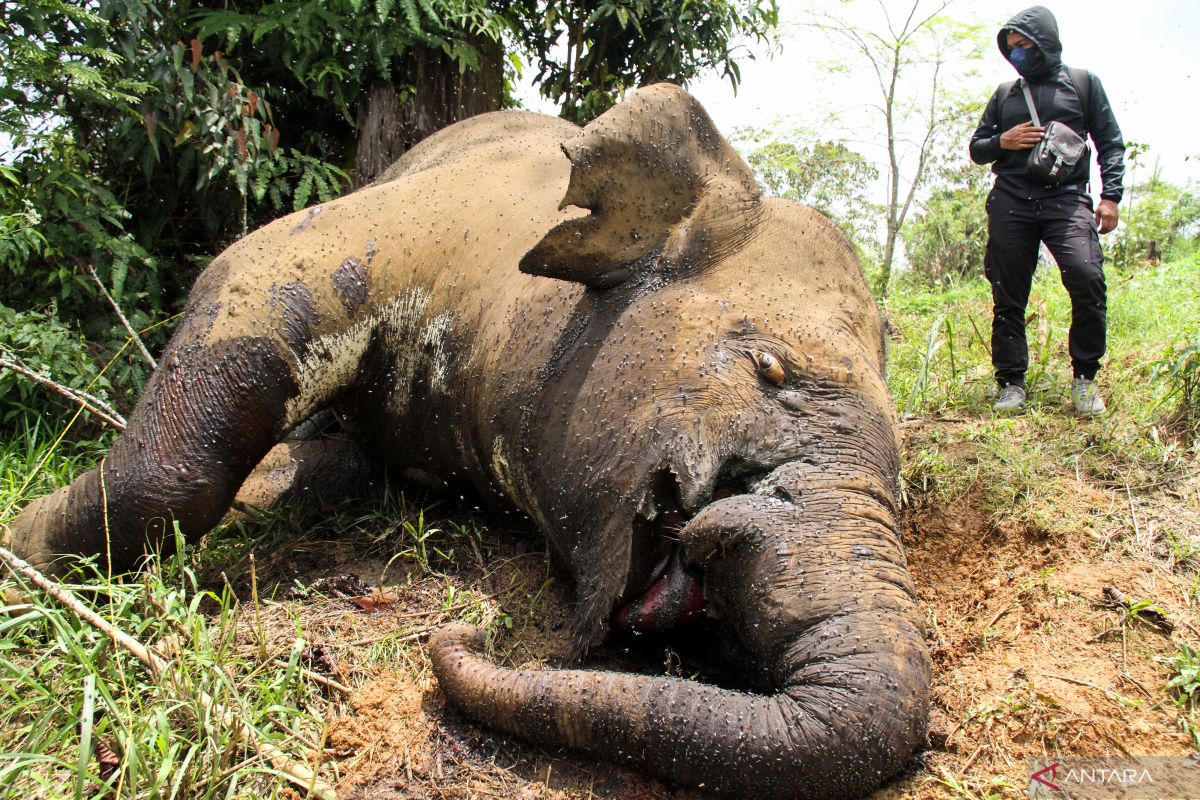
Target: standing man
[{"x": 1023, "y": 210}]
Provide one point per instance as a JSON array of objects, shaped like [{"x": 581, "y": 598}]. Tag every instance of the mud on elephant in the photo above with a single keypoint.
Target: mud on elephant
[{"x": 679, "y": 382}]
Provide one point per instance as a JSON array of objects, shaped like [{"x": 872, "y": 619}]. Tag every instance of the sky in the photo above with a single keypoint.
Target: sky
[{"x": 1144, "y": 53}]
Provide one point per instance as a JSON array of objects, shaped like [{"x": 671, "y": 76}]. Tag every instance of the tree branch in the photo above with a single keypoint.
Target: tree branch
[
  {"x": 133, "y": 334},
  {"x": 91, "y": 403}
]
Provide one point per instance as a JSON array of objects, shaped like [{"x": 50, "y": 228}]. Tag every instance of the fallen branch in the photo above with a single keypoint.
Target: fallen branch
[
  {"x": 997, "y": 616},
  {"x": 299, "y": 774},
  {"x": 134, "y": 336},
  {"x": 95, "y": 405},
  {"x": 967, "y": 765},
  {"x": 317, "y": 677}
]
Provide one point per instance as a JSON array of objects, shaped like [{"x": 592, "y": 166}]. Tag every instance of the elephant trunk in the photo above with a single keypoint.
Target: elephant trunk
[{"x": 809, "y": 572}]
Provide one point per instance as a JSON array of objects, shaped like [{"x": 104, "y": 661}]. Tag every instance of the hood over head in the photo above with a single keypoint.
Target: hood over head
[{"x": 1037, "y": 25}]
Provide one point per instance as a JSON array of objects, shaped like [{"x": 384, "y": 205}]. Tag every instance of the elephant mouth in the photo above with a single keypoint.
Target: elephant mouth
[{"x": 672, "y": 592}]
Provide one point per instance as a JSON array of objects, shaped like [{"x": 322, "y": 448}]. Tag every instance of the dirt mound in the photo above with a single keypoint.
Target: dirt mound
[
  {"x": 1041, "y": 646},
  {"x": 387, "y": 730}
]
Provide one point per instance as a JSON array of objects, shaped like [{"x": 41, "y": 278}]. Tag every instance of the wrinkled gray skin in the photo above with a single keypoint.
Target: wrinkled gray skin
[{"x": 610, "y": 330}]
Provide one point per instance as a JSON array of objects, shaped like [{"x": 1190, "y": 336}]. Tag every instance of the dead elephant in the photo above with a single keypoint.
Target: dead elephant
[{"x": 679, "y": 381}]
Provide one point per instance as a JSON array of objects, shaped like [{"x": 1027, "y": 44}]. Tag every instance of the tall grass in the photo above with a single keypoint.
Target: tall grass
[
  {"x": 35, "y": 460},
  {"x": 940, "y": 368},
  {"x": 82, "y": 719},
  {"x": 942, "y": 360}
]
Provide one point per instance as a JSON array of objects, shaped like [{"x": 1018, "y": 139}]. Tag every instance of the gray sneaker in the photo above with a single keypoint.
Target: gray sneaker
[
  {"x": 1010, "y": 401},
  {"x": 1086, "y": 397}
]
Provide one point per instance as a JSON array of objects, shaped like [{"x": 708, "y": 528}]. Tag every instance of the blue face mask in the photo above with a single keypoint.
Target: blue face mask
[{"x": 1023, "y": 58}]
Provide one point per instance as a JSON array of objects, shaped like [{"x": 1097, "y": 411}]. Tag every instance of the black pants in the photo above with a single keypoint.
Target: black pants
[{"x": 1066, "y": 223}]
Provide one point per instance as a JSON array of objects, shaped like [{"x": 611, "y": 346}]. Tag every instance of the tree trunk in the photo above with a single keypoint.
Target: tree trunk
[{"x": 428, "y": 93}]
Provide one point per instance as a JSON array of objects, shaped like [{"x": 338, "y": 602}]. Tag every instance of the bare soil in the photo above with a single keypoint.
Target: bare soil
[{"x": 1032, "y": 656}]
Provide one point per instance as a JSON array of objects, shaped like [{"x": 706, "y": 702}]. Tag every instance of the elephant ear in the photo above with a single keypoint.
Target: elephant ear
[{"x": 666, "y": 194}]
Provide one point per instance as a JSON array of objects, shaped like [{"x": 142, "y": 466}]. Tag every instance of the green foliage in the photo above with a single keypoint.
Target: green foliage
[
  {"x": 38, "y": 341},
  {"x": 200, "y": 143},
  {"x": 826, "y": 175},
  {"x": 176, "y": 143},
  {"x": 57, "y": 221},
  {"x": 615, "y": 45},
  {"x": 57, "y": 218},
  {"x": 941, "y": 359},
  {"x": 334, "y": 50},
  {"x": 1184, "y": 680},
  {"x": 47, "y": 62},
  {"x": 1180, "y": 369},
  {"x": 947, "y": 238},
  {"x": 1161, "y": 220},
  {"x": 135, "y": 155}
]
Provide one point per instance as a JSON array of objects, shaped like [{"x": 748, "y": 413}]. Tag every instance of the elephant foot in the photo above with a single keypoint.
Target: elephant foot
[{"x": 36, "y": 533}]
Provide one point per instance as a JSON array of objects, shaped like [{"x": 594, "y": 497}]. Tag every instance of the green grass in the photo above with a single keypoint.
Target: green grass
[
  {"x": 940, "y": 368},
  {"x": 70, "y": 697},
  {"x": 963, "y": 789},
  {"x": 1184, "y": 670},
  {"x": 37, "y": 460},
  {"x": 942, "y": 361}
]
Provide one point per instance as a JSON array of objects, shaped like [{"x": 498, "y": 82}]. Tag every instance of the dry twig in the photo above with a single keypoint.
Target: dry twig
[
  {"x": 317, "y": 677},
  {"x": 95, "y": 405},
  {"x": 134, "y": 336}
]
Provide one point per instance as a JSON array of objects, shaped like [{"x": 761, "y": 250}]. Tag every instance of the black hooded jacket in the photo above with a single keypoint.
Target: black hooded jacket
[{"x": 1057, "y": 98}]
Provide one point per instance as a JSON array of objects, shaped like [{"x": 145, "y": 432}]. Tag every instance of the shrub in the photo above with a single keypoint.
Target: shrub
[
  {"x": 1180, "y": 368},
  {"x": 1160, "y": 221},
  {"x": 948, "y": 238},
  {"x": 38, "y": 341}
]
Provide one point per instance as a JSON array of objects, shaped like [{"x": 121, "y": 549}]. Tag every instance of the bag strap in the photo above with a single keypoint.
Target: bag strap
[
  {"x": 1029, "y": 102},
  {"x": 1081, "y": 79}
]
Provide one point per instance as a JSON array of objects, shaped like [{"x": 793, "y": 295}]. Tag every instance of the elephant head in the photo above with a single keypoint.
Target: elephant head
[{"x": 713, "y": 420}]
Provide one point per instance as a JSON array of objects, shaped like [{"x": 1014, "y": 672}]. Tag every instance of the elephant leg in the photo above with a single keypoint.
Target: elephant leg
[
  {"x": 209, "y": 414},
  {"x": 309, "y": 472}
]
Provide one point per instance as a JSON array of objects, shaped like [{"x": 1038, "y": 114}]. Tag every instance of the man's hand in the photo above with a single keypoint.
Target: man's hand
[
  {"x": 1106, "y": 215},
  {"x": 1021, "y": 137}
]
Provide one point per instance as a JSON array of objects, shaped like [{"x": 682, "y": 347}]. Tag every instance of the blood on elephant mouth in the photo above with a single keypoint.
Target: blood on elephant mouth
[{"x": 674, "y": 594}]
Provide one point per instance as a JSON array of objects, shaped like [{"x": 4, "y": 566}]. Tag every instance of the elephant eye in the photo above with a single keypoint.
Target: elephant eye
[{"x": 769, "y": 368}]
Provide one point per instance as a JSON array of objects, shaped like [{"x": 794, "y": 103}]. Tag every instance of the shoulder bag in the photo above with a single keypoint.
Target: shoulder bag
[{"x": 1055, "y": 156}]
